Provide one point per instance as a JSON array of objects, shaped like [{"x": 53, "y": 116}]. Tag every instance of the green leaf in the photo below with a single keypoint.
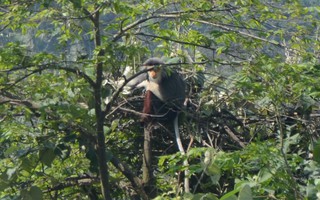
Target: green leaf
[
  {"x": 245, "y": 193},
  {"x": 11, "y": 150},
  {"x": 27, "y": 164},
  {"x": 115, "y": 124},
  {"x": 264, "y": 175},
  {"x": 316, "y": 151},
  {"x": 36, "y": 193},
  {"x": 200, "y": 196},
  {"x": 212, "y": 170},
  {"x": 173, "y": 60},
  {"x": 215, "y": 179},
  {"x": 47, "y": 156},
  {"x": 220, "y": 50},
  {"x": 230, "y": 195},
  {"x": 109, "y": 155}
]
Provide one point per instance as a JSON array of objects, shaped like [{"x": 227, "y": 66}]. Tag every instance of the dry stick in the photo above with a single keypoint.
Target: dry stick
[{"x": 233, "y": 136}]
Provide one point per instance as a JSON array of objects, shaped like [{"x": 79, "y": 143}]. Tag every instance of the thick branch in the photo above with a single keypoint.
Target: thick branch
[{"x": 135, "y": 181}]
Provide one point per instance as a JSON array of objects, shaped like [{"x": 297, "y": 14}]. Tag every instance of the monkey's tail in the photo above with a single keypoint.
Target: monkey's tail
[{"x": 182, "y": 151}]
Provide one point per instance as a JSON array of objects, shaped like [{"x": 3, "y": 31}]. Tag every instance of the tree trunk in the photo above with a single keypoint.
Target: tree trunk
[
  {"x": 100, "y": 145},
  {"x": 135, "y": 181},
  {"x": 147, "y": 171}
]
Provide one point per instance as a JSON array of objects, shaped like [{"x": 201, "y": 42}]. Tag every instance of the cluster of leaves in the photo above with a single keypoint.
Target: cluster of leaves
[{"x": 251, "y": 126}]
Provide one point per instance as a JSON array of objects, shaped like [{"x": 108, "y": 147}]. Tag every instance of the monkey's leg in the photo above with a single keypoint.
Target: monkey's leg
[{"x": 181, "y": 149}]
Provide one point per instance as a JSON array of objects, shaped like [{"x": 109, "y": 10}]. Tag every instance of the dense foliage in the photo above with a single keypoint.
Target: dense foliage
[{"x": 69, "y": 129}]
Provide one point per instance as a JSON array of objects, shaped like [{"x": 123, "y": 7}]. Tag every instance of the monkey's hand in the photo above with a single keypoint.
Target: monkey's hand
[{"x": 144, "y": 84}]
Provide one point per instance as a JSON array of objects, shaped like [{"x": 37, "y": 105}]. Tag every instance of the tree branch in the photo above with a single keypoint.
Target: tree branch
[
  {"x": 6, "y": 97},
  {"x": 44, "y": 67},
  {"x": 233, "y": 136},
  {"x": 239, "y": 32},
  {"x": 74, "y": 181},
  {"x": 122, "y": 167},
  {"x": 175, "y": 14},
  {"x": 135, "y": 181},
  {"x": 177, "y": 41},
  {"x": 100, "y": 147},
  {"x": 140, "y": 21}
]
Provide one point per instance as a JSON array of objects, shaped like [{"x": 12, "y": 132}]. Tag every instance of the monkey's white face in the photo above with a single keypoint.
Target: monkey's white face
[{"x": 155, "y": 74}]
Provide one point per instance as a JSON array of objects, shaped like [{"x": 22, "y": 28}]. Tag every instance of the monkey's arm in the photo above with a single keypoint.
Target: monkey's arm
[
  {"x": 143, "y": 84},
  {"x": 134, "y": 83}
]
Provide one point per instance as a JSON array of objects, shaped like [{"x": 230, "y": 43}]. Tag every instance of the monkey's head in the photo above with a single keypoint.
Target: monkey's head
[
  {"x": 155, "y": 73},
  {"x": 153, "y": 61}
]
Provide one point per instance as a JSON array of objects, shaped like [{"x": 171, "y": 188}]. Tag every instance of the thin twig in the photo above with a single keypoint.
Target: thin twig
[{"x": 239, "y": 32}]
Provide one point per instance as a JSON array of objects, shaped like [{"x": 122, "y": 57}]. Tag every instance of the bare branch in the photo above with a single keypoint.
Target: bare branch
[
  {"x": 239, "y": 32},
  {"x": 233, "y": 136},
  {"x": 12, "y": 99},
  {"x": 175, "y": 14},
  {"x": 44, "y": 67},
  {"x": 140, "y": 21},
  {"x": 177, "y": 41},
  {"x": 74, "y": 181},
  {"x": 4, "y": 27}
]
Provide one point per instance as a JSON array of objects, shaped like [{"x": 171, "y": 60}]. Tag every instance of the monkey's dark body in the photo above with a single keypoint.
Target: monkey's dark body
[
  {"x": 168, "y": 99},
  {"x": 156, "y": 109},
  {"x": 172, "y": 88}
]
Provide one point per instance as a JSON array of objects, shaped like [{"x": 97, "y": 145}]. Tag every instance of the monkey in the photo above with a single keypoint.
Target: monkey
[
  {"x": 165, "y": 91},
  {"x": 164, "y": 98}
]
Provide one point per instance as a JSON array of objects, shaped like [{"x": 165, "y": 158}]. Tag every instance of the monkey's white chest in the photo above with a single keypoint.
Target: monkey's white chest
[{"x": 153, "y": 87}]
